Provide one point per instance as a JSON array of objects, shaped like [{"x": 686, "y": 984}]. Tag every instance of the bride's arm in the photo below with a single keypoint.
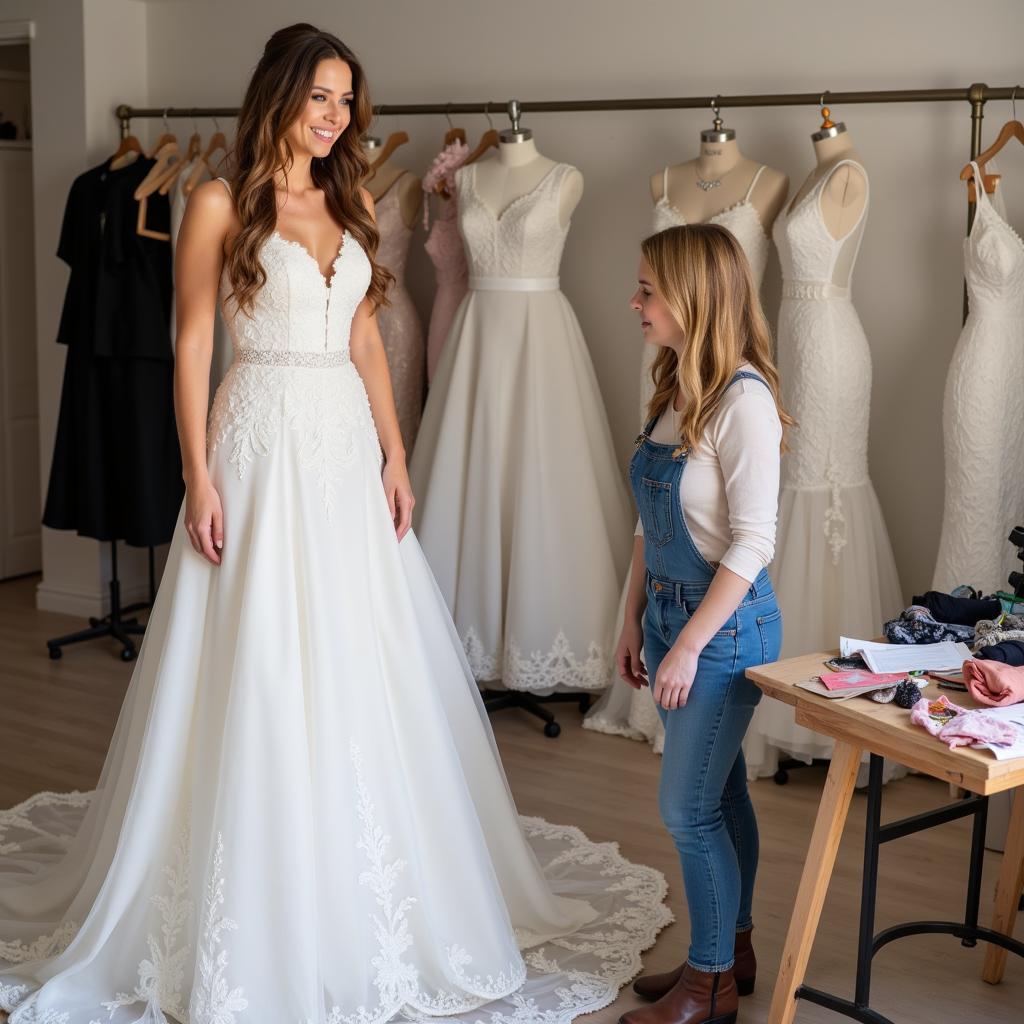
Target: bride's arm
[
  {"x": 198, "y": 259},
  {"x": 367, "y": 351}
]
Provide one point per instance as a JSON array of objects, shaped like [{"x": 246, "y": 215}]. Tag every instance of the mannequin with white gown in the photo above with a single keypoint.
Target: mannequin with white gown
[
  {"x": 302, "y": 817},
  {"x": 521, "y": 507}
]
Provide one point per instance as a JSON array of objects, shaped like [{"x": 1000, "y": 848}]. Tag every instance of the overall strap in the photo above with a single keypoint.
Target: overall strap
[{"x": 746, "y": 375}]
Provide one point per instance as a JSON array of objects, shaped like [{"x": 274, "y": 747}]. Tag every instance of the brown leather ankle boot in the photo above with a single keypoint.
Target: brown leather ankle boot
[
  {"x": 696, "y": 998},
  {"x": 654, "y": 986}
]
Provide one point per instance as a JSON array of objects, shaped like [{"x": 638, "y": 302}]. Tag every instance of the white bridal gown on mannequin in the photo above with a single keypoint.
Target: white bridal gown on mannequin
[
  {"x": 983, "y": 411},
  {"x": 622, "y": 710},
  {"x": 522, "y": 508},
  {"x": 834, "y": 570},
  {"x": 302, "y": 818}
]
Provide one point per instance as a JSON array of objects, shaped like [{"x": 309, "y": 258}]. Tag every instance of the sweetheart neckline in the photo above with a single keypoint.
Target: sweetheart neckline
[{"x": 327, "y": 282}]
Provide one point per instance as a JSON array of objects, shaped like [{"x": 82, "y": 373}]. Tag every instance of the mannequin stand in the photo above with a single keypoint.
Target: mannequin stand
[
  {"x": 113, "y": 624},
  {"x": 499, "y": 700}
]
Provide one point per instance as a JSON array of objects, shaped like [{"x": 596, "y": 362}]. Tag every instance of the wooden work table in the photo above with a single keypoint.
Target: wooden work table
[{"x": 861, "y": 725}]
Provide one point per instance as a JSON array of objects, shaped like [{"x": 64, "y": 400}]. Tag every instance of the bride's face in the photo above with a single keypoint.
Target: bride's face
[
  {"x": 327, "y": 112},
  {"x": 656, "y": 320}
]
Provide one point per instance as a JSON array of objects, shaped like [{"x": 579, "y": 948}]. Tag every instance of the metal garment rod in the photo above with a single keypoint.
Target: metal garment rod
[{"x": 977, "y": 94}]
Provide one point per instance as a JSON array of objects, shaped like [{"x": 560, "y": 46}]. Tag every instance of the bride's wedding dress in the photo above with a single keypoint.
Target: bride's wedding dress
[{"x": 302, "y": 817}]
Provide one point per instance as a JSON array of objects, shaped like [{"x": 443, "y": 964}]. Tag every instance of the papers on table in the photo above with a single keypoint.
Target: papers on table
[
  {"x": 1013, "y": 713},
  {"x": 880, "y": 657}
]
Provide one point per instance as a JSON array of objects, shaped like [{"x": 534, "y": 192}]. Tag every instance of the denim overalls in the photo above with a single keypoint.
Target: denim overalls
[{"x": 703, "y": 793}]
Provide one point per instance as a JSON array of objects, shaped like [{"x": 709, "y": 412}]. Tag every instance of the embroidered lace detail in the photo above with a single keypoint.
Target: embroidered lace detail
[
  {"x": 11, "y": 995},
  {"x": 317, "y": 360},
  {"x": 835, "y": 520},
  {"x": 213, "y": 1002},
  {"x": 327, "y": 412},
  {"x": 33, "y": 1015},
  {"x": 161, "y": 977},
  {"x": 45, "y": 946},
  {"x": 538, "y": 670},
  {"x": 19, "y": 817}
]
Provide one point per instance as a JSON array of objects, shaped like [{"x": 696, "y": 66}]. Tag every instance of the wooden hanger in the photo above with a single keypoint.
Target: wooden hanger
[
  {"x": 129, "y": 144},
  {"x": 488, "y": 140},
  {"x": 1010, "y": 130},
  {"x": 140, "y": 224},
  {"x": 1013, "y": 129},
  {"x": 395, "y": 139},
  {"x": 218, "y": 141},
  {"x": 195, "y": 144},
  {"x": 455, "y": 135},
  {"x": 168, "y": 136},
  {"x": 167, "y": 157}
]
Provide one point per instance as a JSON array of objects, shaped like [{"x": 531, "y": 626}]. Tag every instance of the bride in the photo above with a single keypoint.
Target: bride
[{"x": 302, "y": 817}]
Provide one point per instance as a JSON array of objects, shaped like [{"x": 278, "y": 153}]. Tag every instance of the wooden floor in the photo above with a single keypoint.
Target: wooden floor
[{"x": 56, "y": 718}]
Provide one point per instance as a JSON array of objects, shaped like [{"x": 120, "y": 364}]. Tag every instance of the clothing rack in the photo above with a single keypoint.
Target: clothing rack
[{"x": 976, "y": 95}]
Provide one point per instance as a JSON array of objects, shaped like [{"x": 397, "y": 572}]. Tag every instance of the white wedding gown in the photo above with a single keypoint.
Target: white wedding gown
[
  {"x": 983, "y": 410},
  {"x": 522, "y": 508},
  {"x": 302, "y": 818}
]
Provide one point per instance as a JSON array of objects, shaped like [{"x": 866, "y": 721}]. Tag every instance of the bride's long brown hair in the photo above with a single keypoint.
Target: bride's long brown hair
[
  {"x": 704, "y": 278},
  {"x": 277, "y": 94}
]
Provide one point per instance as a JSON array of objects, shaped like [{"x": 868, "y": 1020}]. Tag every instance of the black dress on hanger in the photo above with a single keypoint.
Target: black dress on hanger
[{"x": 116, "y": 471}]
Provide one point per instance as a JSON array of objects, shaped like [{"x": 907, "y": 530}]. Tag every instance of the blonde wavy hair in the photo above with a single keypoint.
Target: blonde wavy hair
[{"x": 703, "y": 277}]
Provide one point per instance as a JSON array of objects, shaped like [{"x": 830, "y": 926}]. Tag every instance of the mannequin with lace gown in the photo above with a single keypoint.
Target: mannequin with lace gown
[
  {"x": 399, "y": 323},
  {"x": 983, "y": 409},
  {"x": 302, "y": 816},
  {"x": 623, "y": 711},
  {"x": 521, "y": 507},
  {"x": 834, "y": 571}
]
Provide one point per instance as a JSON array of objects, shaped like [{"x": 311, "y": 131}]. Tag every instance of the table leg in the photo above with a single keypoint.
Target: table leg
[
  {"x": 1008, "y": 890},
  {"x": 810, "y": 897}
]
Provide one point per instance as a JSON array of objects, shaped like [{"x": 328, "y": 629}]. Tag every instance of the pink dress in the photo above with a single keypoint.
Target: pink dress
[
  {"x": 445, "y": 249},
  {"x": 400, "y": 326}
]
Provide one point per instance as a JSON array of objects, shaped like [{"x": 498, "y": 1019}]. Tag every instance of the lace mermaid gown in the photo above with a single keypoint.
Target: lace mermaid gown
[
  {"x": 834, "y": 571},
  {"x": 623, "y": 711},
  {"x": 399, "y": 323},
  {"x": 522, "y": 509},
  {"x": 983, "y": 411},
  {"x": 302, "y": 817}
]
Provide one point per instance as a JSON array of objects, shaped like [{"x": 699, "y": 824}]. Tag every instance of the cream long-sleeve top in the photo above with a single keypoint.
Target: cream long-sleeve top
[{"x": 729, "y": 492}]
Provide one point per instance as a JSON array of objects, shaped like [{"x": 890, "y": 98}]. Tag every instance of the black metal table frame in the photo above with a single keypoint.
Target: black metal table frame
[{"x": 869, "y": 943}]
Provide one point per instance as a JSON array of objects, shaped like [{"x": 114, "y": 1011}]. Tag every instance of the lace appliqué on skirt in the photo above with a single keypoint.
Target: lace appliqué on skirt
[{"x": 559, "y": 667}]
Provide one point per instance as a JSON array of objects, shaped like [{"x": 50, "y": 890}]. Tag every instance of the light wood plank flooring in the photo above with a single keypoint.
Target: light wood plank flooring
[{"x": 56, "y": 719}]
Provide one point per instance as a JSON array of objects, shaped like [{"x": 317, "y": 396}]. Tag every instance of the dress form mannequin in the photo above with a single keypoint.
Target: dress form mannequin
[
  {"x": 383, "y": 175},
  {"x": 721, "y": 160},
  {"x": 518, "y": 168},
  {"x": 844, "y": 194}
]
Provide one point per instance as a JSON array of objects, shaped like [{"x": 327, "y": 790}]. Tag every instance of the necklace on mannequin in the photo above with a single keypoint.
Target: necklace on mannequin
[{"x": 702, "y": 184}]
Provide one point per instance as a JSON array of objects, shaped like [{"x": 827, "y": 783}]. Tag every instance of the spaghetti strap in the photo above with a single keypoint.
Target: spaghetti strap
[
  {"x": 664, "y": 184},
  {"x": 227, "y": 184},
  {"x": 750, "y": 191},
  {"x": 979, "y": 183}
]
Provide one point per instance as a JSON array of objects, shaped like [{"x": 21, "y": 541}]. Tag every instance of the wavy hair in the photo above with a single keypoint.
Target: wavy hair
[
  {"x": 704, "y": 279},
  {"x": 277, "y": 94}
]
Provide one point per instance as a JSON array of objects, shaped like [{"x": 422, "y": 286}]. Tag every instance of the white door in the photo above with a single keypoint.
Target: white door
[{"x": 20, "y": 542}]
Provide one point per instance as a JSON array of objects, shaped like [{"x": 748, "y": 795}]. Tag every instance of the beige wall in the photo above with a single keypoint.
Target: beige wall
[{"x": 908, "y": 284}]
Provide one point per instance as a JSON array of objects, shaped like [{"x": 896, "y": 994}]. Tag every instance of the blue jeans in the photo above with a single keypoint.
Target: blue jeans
[{"x": 703, "y": 795}]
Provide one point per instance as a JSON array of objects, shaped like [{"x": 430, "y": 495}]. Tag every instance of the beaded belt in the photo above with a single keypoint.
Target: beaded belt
[
  {"x": 269, "y": 357},
  {"x": 813, "y": 290},
  {"x": 513, "y": 284}
]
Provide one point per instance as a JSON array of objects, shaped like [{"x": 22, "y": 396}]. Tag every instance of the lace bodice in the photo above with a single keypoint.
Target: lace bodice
[
  {"x": 993, "y": 262},
  {"x": 298, "y": 310},
  {"x": 525, "y": 240},
  {"x": 742, "y": 219},
  {"x": 807, "y": 252}
]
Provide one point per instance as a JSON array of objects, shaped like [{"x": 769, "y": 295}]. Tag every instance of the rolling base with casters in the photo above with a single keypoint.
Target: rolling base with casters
[
  {"x": 113, "y": 624},
  {"x": 499, "y": 700}
]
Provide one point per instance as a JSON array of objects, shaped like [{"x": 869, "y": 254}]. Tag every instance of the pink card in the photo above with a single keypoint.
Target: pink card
[{"x": 858, "y": 678}]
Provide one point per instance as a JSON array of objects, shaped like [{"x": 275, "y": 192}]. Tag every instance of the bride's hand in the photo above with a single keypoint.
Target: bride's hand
[
  {"x": 399, "y": 493},
  {"x": 204, "y": 520}
]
